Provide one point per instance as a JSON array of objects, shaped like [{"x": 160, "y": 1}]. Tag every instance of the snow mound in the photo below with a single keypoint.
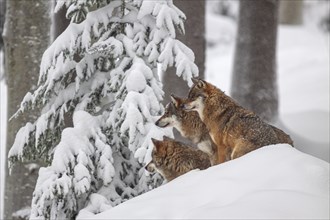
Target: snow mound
[{"x": 274, "y": 182}]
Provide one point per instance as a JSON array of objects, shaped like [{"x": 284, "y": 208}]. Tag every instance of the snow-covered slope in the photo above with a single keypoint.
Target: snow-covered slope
[{"x": 274, "y": 182}]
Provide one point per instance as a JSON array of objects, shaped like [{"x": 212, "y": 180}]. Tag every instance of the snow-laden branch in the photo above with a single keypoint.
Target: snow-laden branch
[{"x": 82, "y": 158}]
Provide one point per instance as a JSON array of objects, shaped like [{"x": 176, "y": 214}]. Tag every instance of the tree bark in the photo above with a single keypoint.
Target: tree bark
[
  {"x": 26, "y": 38},
  {"x": 59, "y": 24},
  {"x": 254, "y": 76},
  {"x": 2, "y": 20},
  {"x": 194, "y": 38}
]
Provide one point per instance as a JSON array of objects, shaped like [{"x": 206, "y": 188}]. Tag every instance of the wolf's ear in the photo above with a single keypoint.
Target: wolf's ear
[
  {"x": 175, "y": 100},
  {"x": 156, "y": 143},
  {"x": 199, "y": 82},
  {"x": 165, "y": 138},
  {"x": 194, "y": 80}
]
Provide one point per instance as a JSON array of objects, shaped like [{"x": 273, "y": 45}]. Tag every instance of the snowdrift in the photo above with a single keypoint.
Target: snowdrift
[{"x": 274, "y": 182}]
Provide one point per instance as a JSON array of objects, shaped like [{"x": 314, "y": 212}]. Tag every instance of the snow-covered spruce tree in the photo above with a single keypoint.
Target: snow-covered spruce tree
[{"x": 104, "y": 70}]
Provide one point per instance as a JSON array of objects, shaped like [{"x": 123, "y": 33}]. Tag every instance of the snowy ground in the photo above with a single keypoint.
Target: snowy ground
[{"x": 269, "y": 183}]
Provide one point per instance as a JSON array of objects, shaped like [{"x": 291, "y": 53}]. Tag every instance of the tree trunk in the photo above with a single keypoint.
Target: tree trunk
[
  {"x": 26, "y": 38},
  {"x": 194, "y": 38},
  {"x": 291, "y": 12},
  {"x": 2, "y": 19},
  {"x": 254, "y": 74},
  {"x": 59, "y": 24}
]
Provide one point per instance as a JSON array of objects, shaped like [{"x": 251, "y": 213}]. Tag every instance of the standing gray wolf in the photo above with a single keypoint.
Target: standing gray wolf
[
  {"x": 171, "y": 158},
  {"x": 234, "y": 129},
  {"x": 189, "y": 125}
]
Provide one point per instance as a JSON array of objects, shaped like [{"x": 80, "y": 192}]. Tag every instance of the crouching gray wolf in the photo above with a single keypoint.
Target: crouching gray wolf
[{"x": 171, "y": 158}]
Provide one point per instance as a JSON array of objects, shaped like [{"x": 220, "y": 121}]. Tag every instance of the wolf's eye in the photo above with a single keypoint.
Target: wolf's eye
[
  {"x": 201, "y": 96},
  {"x": 196, "y": 95}
]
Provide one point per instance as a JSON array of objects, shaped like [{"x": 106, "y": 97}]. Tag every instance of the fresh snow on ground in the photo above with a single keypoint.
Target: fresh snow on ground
[{"x": 274, "y": 182}]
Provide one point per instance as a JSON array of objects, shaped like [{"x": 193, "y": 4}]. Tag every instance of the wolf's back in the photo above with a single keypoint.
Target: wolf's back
[{"x": 185, "y": 159}]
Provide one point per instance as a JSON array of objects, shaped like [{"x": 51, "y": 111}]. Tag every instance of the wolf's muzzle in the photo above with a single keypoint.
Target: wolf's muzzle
[
  {"x": 161, "y": 124},
  {"x": 150, "y": 167},
  {"x": 187, "y": 107}
]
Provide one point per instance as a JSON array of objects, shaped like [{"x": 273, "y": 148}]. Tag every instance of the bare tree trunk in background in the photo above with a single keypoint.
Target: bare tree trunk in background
[
  {"x": 59, "y": 24},
  {"x": 194, "y": 38},
  {"x": 2, "y": 21},
  {"x": 254, "y": 82},
  {"x": 291, "y": 12},
  {"x": 26, "y": 37}
]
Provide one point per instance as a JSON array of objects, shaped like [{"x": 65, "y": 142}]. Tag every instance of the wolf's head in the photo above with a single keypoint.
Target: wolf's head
[
  {"x": 174, "y": 115},
  {"x": 203, "y": 92},
  {"x": 159, "y": 154},
  {"x": 197, "y": 95},
  {"x": 188, "y": 123}
]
